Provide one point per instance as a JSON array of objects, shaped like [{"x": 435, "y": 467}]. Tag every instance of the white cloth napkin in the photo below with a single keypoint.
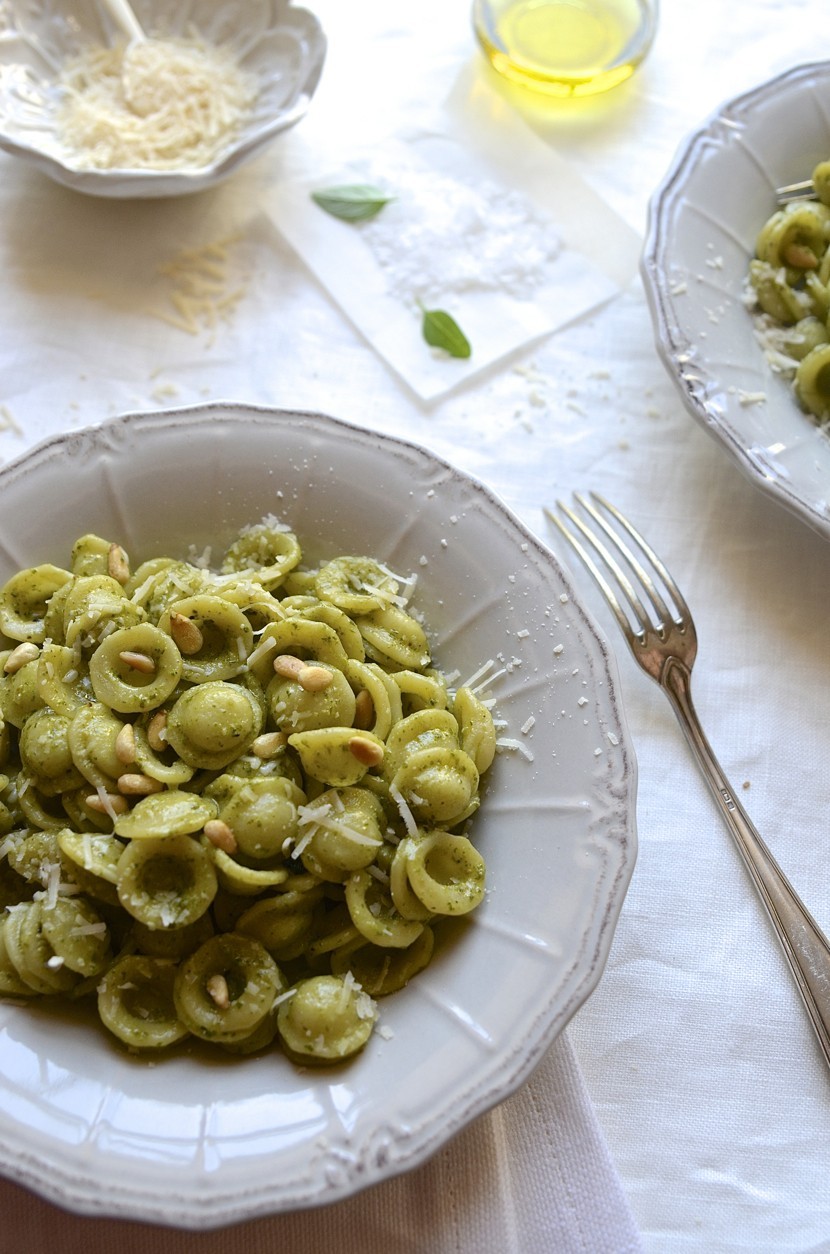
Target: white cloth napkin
[{"x": 533, "y": 1176}]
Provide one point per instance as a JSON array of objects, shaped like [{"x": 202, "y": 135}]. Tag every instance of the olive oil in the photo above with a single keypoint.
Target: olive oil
[{"x": 565, "y": 47}]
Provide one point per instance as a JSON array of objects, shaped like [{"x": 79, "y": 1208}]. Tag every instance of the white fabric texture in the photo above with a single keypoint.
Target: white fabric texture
[
  {"x": 695, "y": 1093},
  {"x": 512, "y": 1183}
]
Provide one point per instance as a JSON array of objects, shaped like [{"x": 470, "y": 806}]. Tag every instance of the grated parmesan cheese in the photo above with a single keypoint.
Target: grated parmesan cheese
[{"x": 154, "y": 104}]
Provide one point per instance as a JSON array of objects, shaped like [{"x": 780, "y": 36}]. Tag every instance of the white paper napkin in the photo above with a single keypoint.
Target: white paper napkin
[{"x": 484, "y": 223}]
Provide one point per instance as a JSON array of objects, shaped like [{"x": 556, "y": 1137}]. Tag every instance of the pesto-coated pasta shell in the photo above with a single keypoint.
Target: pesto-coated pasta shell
[
  {"x": 328, "y": 754},
  {"x": 213, "y": 723},
  {"x": 297, "y": 637},
  {"x": 342, "y": 832},
  {"x": 394, "y": 639},
  {"x": 161, "y": 581},
  {"x": 812, "y": 381},
  {"x": 163, "y": 764},
  {"x": 226, "y": 636},
  {"x": 166, "y": 883},
  {"x": 60, "y": 683},
  {"x": 263, "y": 815},
  {"x": 30, "y": 953},
  {"x": 91, "y": 737},
  {"x": 374, "y": 914},
  {"x": 24, "y": 599},
  {"x": 446, "y": 872},
  {"x": 356, "y": 585},
  {"x": 11, "y": 984},
  {"x": 135, "y": 1002},
  {"x": 227, "y": 987},
  {"x": 242, "y": 879},
  {"x": 383, "y": 692},
  {"x": 424, "y": 729},
  {"x": 439, "y": 785},
  {"x": 283, "y": 922},
  {"x": 295, "y": 709},
  {"x": 477, "y": 732},
  {"x": 324, "y": 612},
  {"x": 91, "y": 859},
  {"x": 268, "y": 550},
  {"x": 166, "y": 814},
  {"x": 90, "y": 554},
  {"x": 45, "y": 753},
  {"x": 20, "y": 694},
  {"x": 384, "y": 971},
  {"x": 326, "y": 1019},
  {"x": 125, "y": 686},
  {"x": 420, "y": 692},
  {"x": 775, "y": 295},
  {"x": 77, "y": 934},
  {"x": 94, "y": 606}
]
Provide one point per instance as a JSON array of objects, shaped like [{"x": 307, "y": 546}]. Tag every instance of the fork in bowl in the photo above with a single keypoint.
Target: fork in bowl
[
  {"x": 795, "y": 191},
  {"x": 633, "y": 580}
]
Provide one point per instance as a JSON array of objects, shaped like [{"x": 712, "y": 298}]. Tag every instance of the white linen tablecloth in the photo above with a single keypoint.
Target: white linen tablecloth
[{"x": 689, "y": 1088}]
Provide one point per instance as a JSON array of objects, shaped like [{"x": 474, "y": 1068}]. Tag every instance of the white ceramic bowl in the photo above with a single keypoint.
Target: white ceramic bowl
[
  {"x": 703, "y": 223},
  {"x": 194, "y": 1143},
  {"x": 282, "y": 45}
]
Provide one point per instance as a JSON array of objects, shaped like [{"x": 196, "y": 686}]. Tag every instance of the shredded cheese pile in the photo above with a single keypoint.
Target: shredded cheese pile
[
  {"x": 201, "y": 288},
  {"x": 157, "y": 104}
]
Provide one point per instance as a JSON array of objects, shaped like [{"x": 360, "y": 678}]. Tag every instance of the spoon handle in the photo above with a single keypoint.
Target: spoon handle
[{"x": 122, "y": 14}]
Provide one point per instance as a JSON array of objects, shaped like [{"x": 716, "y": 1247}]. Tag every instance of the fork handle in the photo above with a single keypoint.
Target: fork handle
[{"x": 805, "y": 946}]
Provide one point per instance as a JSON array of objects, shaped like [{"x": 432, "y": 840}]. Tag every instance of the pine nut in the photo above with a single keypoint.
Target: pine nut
[
  {"x": 118, "y": 567},
  {"x": 364, "y": 710},
  {"x": 314, "y": 678},
  {"x": 125, "y": 744},
  {"x": 287, "y": 666},
  {"x": 220, "y": 835},
  {"x": 138, "y": 661},
  {"x": 157, "y": 731},
  {"x": 134, "y": 785},
  {"x": 217, "y": 987},
  {"x": 186, "y": 634},
  {"x": 269, "y": 744},
  {"x": 366, "y": 751},
  {"x": 114, "y": 803},
  {"x": 800, "y": 256},
  {"x": 20, "y": 656}
]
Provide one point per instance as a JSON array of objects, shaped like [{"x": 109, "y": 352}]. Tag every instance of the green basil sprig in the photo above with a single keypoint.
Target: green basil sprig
[
  {"x": 352, "y": 202},
  {"x": 440, "y": 330}
]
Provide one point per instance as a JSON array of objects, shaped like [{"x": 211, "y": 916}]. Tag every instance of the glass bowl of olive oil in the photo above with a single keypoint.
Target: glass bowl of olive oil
[{"x": 566, "y": 47}]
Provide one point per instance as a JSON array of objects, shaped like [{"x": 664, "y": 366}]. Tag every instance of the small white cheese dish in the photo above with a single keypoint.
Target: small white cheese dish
[{"x": 281, "y": 46}]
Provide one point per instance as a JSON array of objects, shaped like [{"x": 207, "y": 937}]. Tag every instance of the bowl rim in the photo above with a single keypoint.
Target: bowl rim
[{"x": 670, "y": 341}]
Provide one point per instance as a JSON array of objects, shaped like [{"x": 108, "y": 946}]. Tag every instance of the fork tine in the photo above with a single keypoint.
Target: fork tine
[
  {"x": 604, "y": 586},
  {"x": 665, "y": 575},
  {"x": 619, "y": 549},
  {"x": 795, "y": 191}
]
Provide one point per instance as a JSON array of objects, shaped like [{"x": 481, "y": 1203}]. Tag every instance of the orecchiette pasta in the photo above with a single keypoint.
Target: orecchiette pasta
[
  {"x": 789, "y": 285},
  {"x": 233, "y": 801}
]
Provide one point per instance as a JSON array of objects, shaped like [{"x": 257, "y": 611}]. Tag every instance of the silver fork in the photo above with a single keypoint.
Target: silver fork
[
  {"x": 664, "y": 643},
  {"x": 795, "y": 191}
]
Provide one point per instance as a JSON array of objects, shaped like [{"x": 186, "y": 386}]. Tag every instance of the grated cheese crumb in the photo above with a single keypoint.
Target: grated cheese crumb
[{"x": 154, "y": 104}]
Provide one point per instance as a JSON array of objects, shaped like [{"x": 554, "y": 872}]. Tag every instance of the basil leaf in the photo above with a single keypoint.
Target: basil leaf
[
  {"x": 440, "y": 330},
  {"x": 353, "y": 202}
]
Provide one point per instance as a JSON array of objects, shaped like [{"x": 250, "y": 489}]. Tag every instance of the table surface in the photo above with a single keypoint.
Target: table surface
[{"x": 699, "y": 1059}]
